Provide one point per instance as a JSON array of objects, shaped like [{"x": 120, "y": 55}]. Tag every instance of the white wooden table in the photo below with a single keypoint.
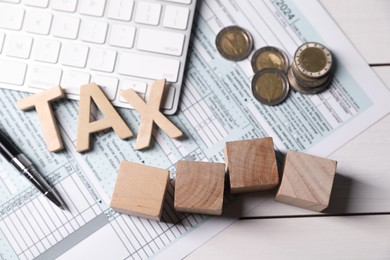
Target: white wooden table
[{"x": 358, "y": 225}]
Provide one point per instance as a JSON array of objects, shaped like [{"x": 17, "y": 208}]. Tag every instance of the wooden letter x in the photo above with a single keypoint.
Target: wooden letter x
[
  {"x": 41, "y": 102},
  {"x": 111, "y": 117},
  {"x": 150, "y": 112}
]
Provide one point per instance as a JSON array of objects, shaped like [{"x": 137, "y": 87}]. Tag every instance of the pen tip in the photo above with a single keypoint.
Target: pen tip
[{"x": 53, "y": 197}]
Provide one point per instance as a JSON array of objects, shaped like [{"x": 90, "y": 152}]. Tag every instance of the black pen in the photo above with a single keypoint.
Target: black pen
[{"x": 12, "y": 154}]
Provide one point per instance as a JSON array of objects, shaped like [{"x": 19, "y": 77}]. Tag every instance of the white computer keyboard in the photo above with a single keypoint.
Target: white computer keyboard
[{"x": 117, "y": 44}]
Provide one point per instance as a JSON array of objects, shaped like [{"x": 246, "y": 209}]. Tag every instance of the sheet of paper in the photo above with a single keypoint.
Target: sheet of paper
[{"x": 217, "y": 106}]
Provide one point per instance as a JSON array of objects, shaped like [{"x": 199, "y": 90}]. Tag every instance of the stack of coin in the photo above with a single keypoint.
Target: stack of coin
[
  {"x": 310, "y": 71},
  {"x": 270, "y": 84}
]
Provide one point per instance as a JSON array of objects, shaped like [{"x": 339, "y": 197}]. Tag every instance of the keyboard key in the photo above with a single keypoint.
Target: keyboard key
[
  {"x": 150, "y": 67},
  {"x": 122, "y": 36},
  {"x": 72, "y": 81},
  {"x": 138, "y": 86},
  {"x": 46, "y": 50},
  {"x": 169, "y": 97},
  {"x": 102, "y": 59},
  {"x": 160, "y": 41},
  {"x": 108, "y": 84},
  {"x": 176, "y": 17},
  {"x": 37, "y": 22},
  {"x": 12, "y": 1},
  {"x": 148, "y": 13},
  {"x": 12, "y": 72},
  {"x": 37, "y": 3},
  {"x": 2, "y": 36},
  {"x": 92, "y": 31},
  {"x": 43, "y": 77},
  {"x": 187, "y": 2},
  {"x": 64, "y": 5},
  {"x": 65, "y": 26},
  {"x": 11, "y": 17},
  {"x": 120, "y": 9},
  {"x": 74, "y": 55},
  {"x": 18, "y": 46},
  {"x": 92, "y": 7}
]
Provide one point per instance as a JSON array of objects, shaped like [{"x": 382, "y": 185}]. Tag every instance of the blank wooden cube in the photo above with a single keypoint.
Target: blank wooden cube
[
  {"x": 307, "y": 181},
  {"x": 199, "y": 187},
  {"x": 251, "y": 165},
  {"x": 140, "y": 190}
]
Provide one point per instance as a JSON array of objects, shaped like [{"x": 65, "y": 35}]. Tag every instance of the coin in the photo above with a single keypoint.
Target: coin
[
  {"x": 270, "y": 86},
  {"x": 234, "y": 43},
  {"x": 269, "y": 57},
  {"x": 313, "y": 60}
]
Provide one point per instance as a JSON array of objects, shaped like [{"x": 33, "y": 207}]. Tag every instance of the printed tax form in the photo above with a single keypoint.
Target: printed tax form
[{"x": 216, "y": 106}]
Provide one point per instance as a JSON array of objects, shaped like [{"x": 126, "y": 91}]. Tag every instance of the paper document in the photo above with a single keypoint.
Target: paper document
[{"x": 216, "y": 106}]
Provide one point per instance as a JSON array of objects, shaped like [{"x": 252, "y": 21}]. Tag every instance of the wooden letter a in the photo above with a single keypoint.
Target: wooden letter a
[{"x": 111, "y": 118}]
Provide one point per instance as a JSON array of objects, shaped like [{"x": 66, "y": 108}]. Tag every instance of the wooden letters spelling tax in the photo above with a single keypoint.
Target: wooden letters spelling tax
[{"x": 150, "y": 114}]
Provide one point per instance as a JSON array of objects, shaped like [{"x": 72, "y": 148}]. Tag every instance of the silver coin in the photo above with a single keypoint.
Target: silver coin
[
  {"x": 270, "y": 86},
  {"x": 234, "y": 43}
]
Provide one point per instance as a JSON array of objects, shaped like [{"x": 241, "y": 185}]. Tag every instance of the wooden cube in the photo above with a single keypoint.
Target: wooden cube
[
  {"x": 140, "y": 190},
  {"x": 199, "y": 187},
  {"x": 307, "y": 181},
  {"x": 251, "y": 165}
]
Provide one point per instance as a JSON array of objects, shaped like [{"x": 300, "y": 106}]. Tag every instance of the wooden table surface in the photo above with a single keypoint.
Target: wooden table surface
[{"x": 358, "y": 223}]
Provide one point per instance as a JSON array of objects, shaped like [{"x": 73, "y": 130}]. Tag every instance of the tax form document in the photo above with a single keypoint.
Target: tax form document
[{"x": 216, "y": 106}]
